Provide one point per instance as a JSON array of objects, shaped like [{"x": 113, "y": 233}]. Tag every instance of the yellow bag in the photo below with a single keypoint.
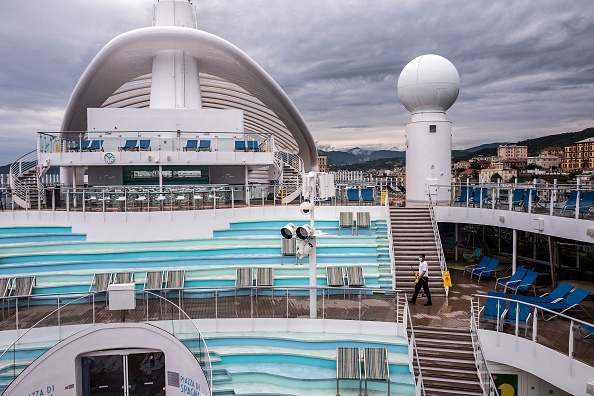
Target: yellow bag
[
  {"x": 447, "y": 280},
  {"x": 416, "y": 277}
]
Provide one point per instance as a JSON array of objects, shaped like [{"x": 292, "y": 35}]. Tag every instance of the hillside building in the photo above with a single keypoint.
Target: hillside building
[
  {"x": 579, "y": 156},
  {"x": 544, "y": 161},
  {"x": 512, "y": 152},
  {"x": 498, "y": 168},
  {"x": 323, "y": 163},
  {"x": 553, "y": 151}
]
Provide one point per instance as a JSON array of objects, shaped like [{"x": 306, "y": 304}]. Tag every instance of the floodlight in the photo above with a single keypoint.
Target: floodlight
[
  {"x": 303, "y": 249},
  {"x": 288, "y": 231},
  {"x": 305, "y": 232},
  {"x": 306, "y": 207}
]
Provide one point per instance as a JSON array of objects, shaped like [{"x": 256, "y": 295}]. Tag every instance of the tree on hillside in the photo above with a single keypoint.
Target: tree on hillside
[{"x": 495, "y": 177}]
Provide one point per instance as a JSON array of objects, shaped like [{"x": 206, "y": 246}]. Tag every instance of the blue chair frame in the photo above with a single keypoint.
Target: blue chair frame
[
  {"x": 511, "y": 280},
  {"x": 191, "y": 145}
]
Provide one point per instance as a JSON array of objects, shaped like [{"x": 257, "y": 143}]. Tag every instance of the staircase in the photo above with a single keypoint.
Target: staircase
[
  {"x": 412, "y": 234},
  {"x": 25, "y": 181},
  {"x": 291, "y": 167},
  {"x": 447, "y": 362}
]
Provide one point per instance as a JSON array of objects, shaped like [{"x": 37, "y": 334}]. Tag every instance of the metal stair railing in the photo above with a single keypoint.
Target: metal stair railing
[
  {"x": 289, "y": 183},
  {"x": 21, "y": 191},
  {"x": 390, "y": 243},
  {"x": 413, "y": 352},
  {"x": 440, "y": 254},
  {"x": 484, "y": 374}
]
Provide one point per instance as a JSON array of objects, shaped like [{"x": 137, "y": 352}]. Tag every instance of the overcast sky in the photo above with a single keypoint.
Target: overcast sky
[{"x": 526, "y": 67}]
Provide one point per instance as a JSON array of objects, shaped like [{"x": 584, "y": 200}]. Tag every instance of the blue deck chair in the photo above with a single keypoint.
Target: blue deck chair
[
  {"x": 494, "y": 308},
  {"x": 353, "y": 195},
  {"x": 145, "y": 145},
  {"x": 480, "y": 266},
  {"x": 587, "y": 200},
  {"x": 571, "y": 202},
  {"x": 526, "y": 283},
  {"x": 466, "y": 194},
  {"x": 519, "y": 311},
  {"x": 556, "y": 295},
  {"x": 84, "y": 145},
  {"x": 252, "y": 145},
  {"x": 367, "y": 195},
  {"x": 130, "y": 145},
  {"x": 476, "y": 253},
  {"x": 204, "y": 145},
  {"x": 191, "y": 145},
  {"x": 527, "y": 197},
  {"x": 573, "y": 300},
  {"x": 240, "y": 145},
  {"x": 586, "y": 331},
  {"x": 96, "y": 145},
  {"x": 511, "y": 280},
  {"x": 480, "y": 195},
  {"x": 517, "y": 196},
  {"x": 489, "y": 270}
]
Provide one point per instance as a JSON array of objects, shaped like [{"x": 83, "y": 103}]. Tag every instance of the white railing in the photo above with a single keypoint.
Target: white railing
[
  {"x": 413, "y": 352},
  {"x": 390, "y": 242},
  {"x": 563, "y": 324},
  {"x": 440, "y": 253},
  {"x": 484, "y": 374}
]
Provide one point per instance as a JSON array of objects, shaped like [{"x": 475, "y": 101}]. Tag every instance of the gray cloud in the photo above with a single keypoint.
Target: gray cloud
[{"x": 526, "y": 67}]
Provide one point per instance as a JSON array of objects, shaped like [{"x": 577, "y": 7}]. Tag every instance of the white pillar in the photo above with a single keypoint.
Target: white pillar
[{"x": 514, "y": 249}]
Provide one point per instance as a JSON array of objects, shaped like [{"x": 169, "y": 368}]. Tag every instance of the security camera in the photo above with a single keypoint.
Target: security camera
[{"x": 306, "y": 207}]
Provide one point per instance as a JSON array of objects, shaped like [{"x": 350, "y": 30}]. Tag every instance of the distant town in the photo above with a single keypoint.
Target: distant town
[{"x": 511, "y": 163}]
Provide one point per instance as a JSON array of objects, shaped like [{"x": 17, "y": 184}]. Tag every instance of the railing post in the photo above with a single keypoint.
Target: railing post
[
  {"x": 93, "y": 307},
  {"x": 553, "y": 199},
  {"x": 216, "y": 294},
  {"x": 570, "y": 351}
]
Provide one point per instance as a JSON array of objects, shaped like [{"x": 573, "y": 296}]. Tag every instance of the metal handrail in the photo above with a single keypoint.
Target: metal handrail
[
  {"x": 390, "y": 242},
  {"x": 440, "y": 253},
  {"x": 479, "y": 357},
  {"x": 207, "y": 354},
  {"x": 412, "y": 348},
  {"x": 20, "y": 190}
]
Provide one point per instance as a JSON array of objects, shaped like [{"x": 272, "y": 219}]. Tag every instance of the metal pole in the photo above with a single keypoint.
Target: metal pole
[{"x": 514, "y": 249}]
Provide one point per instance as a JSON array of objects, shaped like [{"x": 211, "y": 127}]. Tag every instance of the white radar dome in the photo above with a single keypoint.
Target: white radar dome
[{"x": 428, "y": 83}]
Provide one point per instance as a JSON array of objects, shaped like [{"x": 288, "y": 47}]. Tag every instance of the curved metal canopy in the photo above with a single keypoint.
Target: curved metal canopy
[{"x": 228, "y": 78}]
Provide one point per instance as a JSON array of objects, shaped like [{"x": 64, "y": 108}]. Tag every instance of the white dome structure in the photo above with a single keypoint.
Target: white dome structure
[
  {"x": 428, "y": 83},
  {"x": 427, "y": 87}
]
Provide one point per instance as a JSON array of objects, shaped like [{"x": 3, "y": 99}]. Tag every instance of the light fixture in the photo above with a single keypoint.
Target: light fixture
[
  {"x": 305, "y": 232},
  {"x": 288, "y": 231},
  {"x": 303, "y": 249}
]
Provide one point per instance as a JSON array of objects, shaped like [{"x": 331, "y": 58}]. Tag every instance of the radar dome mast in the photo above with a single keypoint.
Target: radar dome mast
[{"x": 427, "y": 87}]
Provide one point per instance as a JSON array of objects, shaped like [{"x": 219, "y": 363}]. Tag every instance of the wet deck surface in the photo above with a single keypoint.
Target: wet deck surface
[{"x": 446, "y": 312}]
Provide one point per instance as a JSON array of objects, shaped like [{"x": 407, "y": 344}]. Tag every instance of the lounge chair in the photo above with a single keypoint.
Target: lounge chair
[
  {"x": 4, "y": 289},
  {"x": 240, "y": 145},
  {"x": 154, "y": 280},
  {"x": 123, "y": 277},
  {"x": 175, "y": 279},
  {"x": 573, "y": 300},
  {"x": 367, "y": 195},
  {"x": 363, "y": 221},
  {"x": 375, "y": 363},
  {"x": 530, "y": 198},
  {"x": 100, "y": 283},
  {"x": 23, "y": 287},
  {"x": 353, "y": 195},
  {"x": 252, "y": 145},
  {"x": 244, "y": 277},
  {"x": 334, "y": 276},
  {"x": 517, "y": 312},
  {"x": 191, "y": 145},
  {"x": 345, "y": 220},
  {"x": 465, "y": 196},
  {"x": 526, "y": 283},
  {"x": 571, "y": 202},
  {"x": 288, "y": 248},
  {"x": 355, "y": 277},
  {"x": 489, "y": 270},
  {"x": 96, "y": 145},
  {"x": 586, "y": 331},
  {"x": 556, "y": 295},
  {"x": 82, "y": 146},
  {"x": 476, "y": 253},
  {"x": 480, "y": 195},
  {"x": 480, "y": 266},
  {"x": 348, "y": 366},
  {"x": 204, "y": 145},
  {"x": 145, "y": 145},
  {"x": 586, "y": 200},
  {"x": 265, "y": 278},
  {"x": 511, "y": 280},
  {"x": 130, "y": 145},
  {"x": 494, "y": 308}
]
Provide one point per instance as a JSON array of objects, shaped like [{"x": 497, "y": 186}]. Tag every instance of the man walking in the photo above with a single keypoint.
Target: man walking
[{"x": 422, "y": 282}]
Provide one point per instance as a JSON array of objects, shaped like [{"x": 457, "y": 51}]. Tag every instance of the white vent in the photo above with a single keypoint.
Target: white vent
[
  {"x": 590, "y": 388},
  {"x": 502, "y": 219},
  {"x": 590, "y": 232}
]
